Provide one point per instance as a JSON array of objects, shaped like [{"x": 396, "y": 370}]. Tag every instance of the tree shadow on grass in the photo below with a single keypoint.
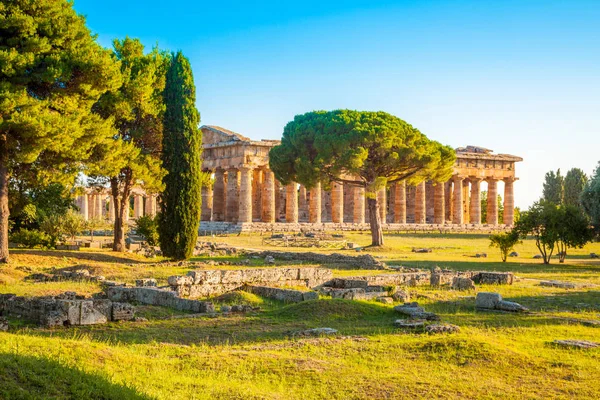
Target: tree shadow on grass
[
  {"x": 28, "y": 377},
  {"x": 97, "y": 256}
]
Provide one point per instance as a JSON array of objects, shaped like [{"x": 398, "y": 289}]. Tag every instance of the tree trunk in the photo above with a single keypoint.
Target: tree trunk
[
  {"x": 121, "y": 205},
  {"x": 375, "y": 222},
  {"x": 4, "y": 212}
]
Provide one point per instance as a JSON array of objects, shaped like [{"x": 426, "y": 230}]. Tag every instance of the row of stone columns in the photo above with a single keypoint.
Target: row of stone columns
[
  {"x": 101, "y": 206},
  {"x": 245, "y": 195}
]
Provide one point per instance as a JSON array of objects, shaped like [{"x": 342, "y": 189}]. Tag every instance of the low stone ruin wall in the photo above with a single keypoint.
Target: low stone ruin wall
[
  {"x": 286, "y": 295},
  {"x": 210, "y": 227},
  {"x": 65, "y": 310},
  {"x": 157, "y": 297},
  {"x": 401, "y": 279},
  {"x": 446, "y": 277},
  {"x": 208, "y": 283},
  {"x": 363, "y": 261}
]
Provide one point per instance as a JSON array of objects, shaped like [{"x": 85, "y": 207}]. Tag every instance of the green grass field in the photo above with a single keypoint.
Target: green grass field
[{"x": 256, "y": 356}]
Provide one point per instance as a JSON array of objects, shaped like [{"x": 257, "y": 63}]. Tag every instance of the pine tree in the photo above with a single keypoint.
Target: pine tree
[
  {"x": 554, "y": 187},
  {"x": 182, "y": 147},
  {"x": 51, "y": 73},
  {"x": 575, "y": 181}
]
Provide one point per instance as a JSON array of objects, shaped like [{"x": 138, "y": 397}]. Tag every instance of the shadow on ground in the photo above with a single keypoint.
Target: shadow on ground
[
  {"x": 26, "y": 377},
  {"x": 97, "y": 256}
]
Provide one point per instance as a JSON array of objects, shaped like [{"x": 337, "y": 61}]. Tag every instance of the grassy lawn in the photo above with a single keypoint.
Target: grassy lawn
[{"x": 257, "y": 356}]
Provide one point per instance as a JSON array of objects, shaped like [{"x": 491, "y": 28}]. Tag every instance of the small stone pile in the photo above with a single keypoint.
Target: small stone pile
[
  {"x": 420, "y": 320},
  {"x": 66, "y": 275},
  {"x": 215, "y": 249}
]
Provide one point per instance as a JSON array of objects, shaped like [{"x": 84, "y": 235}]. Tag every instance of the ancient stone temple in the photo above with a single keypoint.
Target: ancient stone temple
[
  {"x": 97, "y": 203},
  {"x": 246, "y": 195}
]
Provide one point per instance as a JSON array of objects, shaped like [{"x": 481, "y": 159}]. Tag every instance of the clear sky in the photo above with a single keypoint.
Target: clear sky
[{"x": 519, "y": 77}]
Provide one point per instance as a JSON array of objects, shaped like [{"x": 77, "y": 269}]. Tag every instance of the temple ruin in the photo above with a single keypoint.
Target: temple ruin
[
  {"x": 246, "y": 195},
  {"x": 245, "y": 191}
]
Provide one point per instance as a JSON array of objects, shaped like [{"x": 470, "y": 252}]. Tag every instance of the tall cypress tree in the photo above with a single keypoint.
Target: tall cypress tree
[{"x": 182, "y": 147}]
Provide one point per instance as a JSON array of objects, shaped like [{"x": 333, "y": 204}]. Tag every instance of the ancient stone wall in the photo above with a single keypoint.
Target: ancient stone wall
[
  {"x": 286, "y": 295},
  {"x": 157, "y": 297},
  {"x": 207, "y": 283}
]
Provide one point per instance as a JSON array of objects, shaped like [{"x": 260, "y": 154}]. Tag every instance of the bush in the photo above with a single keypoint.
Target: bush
[
  {"x": 32, "y": 238},
  {"x": 505, "y": 242},
  {"x": 147, "y": 226}
]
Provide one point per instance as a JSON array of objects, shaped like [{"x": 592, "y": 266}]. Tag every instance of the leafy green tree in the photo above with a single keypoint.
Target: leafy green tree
[
  {"x": 358, "y": 148},
  {"x": 554, "y": 187},
  {"x": 573, "y": 230},
  {"x": 590, "y": 199},
  {"x": 51, "y": 72},
  {"x": 72, "y": 223},
  {"x": 135, "y": 108},
  {"x": 147, "y": 226},
  {"x": 554, "y": 227},
  {"x": 505, "y": 242},
  {"x": 182, "y": 148},
  {"x": 574, "y": 184}
]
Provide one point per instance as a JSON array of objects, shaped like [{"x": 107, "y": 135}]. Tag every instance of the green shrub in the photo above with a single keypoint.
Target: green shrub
[
  {"x": 147, "y": 226},
  {"x": 32, "y": 238},
  {"x": 505, "y": 242}
]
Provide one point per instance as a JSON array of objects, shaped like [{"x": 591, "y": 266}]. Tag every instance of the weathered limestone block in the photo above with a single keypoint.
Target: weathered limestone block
[
  {"x": 401, "y": 295},
  {"x": 3, "y": 324},
  {"x": 460, "y": 283},
  {"x": 493, "y": 278},
  {"x": 91, "y": 316},
  {"x": 442, "y": 328},
  {"x": 487, "y": 300},
  {"x": 340, "y": 283},
  {"x": 414, "y": 311},
  {"x": 441, "y": 278},
  {"x": 180, "y": 280},
  {"x": 146, "y": 282},
  {"x": 122, "y": 312},
  {"x": 348, "y": 294},
  {"x": 410, "y": 324}
]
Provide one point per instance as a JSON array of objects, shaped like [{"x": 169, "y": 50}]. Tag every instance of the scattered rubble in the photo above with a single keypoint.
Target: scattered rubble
[
  {"x": 566, "y": 285},
  {"x": 385, "y": 299},
  {"x": 146, "y": 283},
  {"x": 493, "y": 301},
  {"x": 442, "y": 328},
  {"x": 424, "y": 250},
  {"x": 285, "y": 295},
  {"x": 3, "y": 324},
  {"x": 401, "y": 296},
  {"x": 410, "y": 323},
  {"x": 66, "y": 275},
  {"x": 365, "y": 261}
]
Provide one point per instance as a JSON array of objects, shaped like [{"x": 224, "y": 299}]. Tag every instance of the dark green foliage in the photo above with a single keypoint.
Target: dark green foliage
[
  {"x": 32, "y": 238},
  {"x": 590, "y": 199},
  {"x": 505, "y": 242},
  {"x": 147, "y": 226},
  {"x": 51, "y": 72},
  {"x": 554, "y": 188},
  {"x": 29, "y": 205},
  {"x": 358, "y": 148},
  {"x": 182, "y": 148},
  {"x": 575, "y": 181},
  {"x": 554, "y": 227}
]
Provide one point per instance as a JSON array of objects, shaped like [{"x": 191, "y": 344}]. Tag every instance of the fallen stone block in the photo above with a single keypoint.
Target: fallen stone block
[
  {"x": 91, "y": 316},
  {"x": 487, "y": 300},
  {"x": 493, "y": 278},
  {"x": 578, "y": 344},
  {"x": 423, "y": 250},
  {"x": 460, "y": 283},
  {"x": 348, "y": 294},
  {"x": 317, "y": 332},
  {"x": 565, "y": 285},
  {"x": 409, "y": 323},
  {"x": 122, "y": 312},
  {"x": 401, "y": 295},
  {"x": 510, "y": 306},
  {"x": 514, "y": 254}
]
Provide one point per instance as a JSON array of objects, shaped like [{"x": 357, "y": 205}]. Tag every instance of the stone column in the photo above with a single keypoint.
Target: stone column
[
  {"x": 475, "y": 208},
  {"x": 429, "y": 202},
  {"x": 492, "y": 202},
  {"x": 291, "y": 203},
  {"x": 207, "y": 203},
  {"x": 126, "y": 210},
  {"x": 458, "y": 200},
  {"x": 359, "y": 205},
  {"x": 337, "y": 202},
  {"x": 83, "y": 208},
  {"x": 400, "y": 202},
  {"x": 439, "y": 203},
  {"x": 268, "y": 197},
  {"x": 149, "y": 205},
  {"x": 218, "y": 211},
  {"x": 111, "y": 208},
  {"x": 466, "y": 201},
  {"x": 314, "y": 210},
  {"x": 232, "y": 197},
  {"x": 509, "y": 202},
  {"x": 138, "y": 209},
  {"x": 302, "y": 204},
  {"x": 91, "y": 206},
  {"x": 449, "y": 201},
  {"x": 420, "y": 206},
  {"x": 279, "y": 201},
  {"x": 257, "y": 182},
  {"x": 245, "y": 195},
  {"x": 382, "y": 201}
]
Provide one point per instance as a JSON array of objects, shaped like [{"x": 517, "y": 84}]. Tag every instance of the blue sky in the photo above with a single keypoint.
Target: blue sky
[{"x": 518, "y": 77}]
